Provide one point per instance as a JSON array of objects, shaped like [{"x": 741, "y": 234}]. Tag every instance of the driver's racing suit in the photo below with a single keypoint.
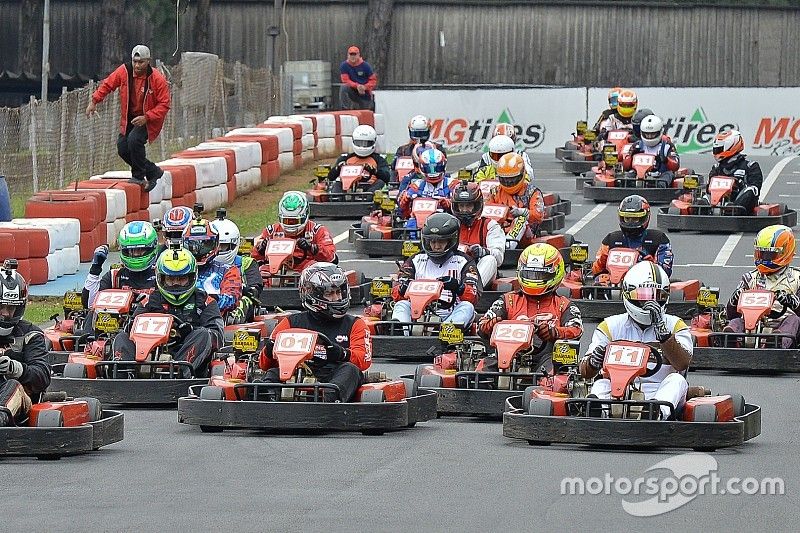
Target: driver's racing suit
[
  {"x": 26, "y": 344},
  {"x": 748, "y": 180},
  {"x": 488, "y": 234},
  {"x": 318, "y": 237},
  {"x": 667, "y": 159},
  {"x": 375, "y": 165},
  {"x": 520, "y": 231},
  {"x": 652, "y": 244}
]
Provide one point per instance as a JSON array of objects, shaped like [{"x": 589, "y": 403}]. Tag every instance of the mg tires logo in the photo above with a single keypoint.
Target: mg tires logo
[
  {"x": 694, "y": 134},
  {"x": 462, "y": 134}
]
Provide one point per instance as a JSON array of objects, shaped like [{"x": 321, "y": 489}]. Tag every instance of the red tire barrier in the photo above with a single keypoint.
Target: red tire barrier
[
  {"x": 184, "y": 179},
  {"x": 7, "y": 247},
  {"x": 297, "y": 129},
  {"x": 229, "y": 155},
  {"x": 85, "y": 207}
]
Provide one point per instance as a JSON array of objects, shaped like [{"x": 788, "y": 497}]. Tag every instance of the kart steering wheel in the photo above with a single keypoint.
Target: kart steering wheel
[{"x": 655, "y": 356}]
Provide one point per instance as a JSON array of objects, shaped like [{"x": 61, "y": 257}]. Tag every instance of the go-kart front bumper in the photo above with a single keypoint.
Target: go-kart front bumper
[
  {"x": 617, "y": 194},
  {"x": 722, "y": 223}
]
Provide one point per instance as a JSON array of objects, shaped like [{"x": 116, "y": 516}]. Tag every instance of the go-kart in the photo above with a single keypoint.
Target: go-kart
[
  {"x": 554, "y": 205},
  {"x": 757, "y": 348},
  {"x": 58, "y": 425},
  {"x": 298, "y": 402},
  {"x": 63, "y": 336},
  {"x": 343, "y": 198},
  {"x": 381, "y": 234},
  {"x": 415, "y": 340},
  {"x": 610, "y": 183},
  {"x": 580, "y": 154},
  {"x": 152, "y": 378},
  {"x": 601, "y": 298},
  {"x": 281, "y": 279},
  {"x": 722, "y": 215},
  {"x": 704, "y": 423}
]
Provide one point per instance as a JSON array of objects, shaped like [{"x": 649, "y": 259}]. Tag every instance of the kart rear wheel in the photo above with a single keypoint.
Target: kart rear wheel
[
  {"x": 50, "y": 418},
  {"x": 212, "y": 393},
  {"x": 373, "y": 396},
  {"x": 540, "y": 407},
  {"x": 705, "y": 412},
  {"x": 527, "y": 394},
  {"x": 75, "y": 370},
  {"x": 411, "y": 387},
  {"x": 419, "y": 372},
  {"x": 738, "y": 404},
  {"x": 95, "y": 408},
  {"x": 430, "y": 381}
]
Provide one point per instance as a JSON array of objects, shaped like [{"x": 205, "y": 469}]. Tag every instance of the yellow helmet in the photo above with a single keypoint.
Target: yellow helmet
[{"x": 540, "y": 269}]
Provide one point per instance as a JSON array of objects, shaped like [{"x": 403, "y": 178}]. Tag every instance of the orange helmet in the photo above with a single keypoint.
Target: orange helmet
[
  {"x": 727, "y": 144},
  {"x": 511, "y": 172},
  {"x": 504, "y": 128},
  {"x": 774, "y": 249},
  {"x": 626, "y": 103},
  {"x": 613, "y": 94}
]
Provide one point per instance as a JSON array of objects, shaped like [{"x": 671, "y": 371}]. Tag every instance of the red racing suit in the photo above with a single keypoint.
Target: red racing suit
[
  {"x": 322, "y": 247},
  {"x": 519, "y": 306},
  {"x": 529, "y": 197}
]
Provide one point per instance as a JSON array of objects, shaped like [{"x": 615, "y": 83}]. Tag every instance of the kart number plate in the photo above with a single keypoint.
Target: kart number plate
[
  {"x": 107, "y": 322},
  {"x": 380, "y": 289},
  {"x": 426, "y": 205},
  {"x": 280, "y": 246},
  {"x": 619, "y": 258},
  {"x": 110, "y": 299},
  {"x": 617, "y": 135},
  {"x": 758, "y": 299},
  {"x": 578, "y": 253},
  {"x": 424, "y": 287},
  {"x": 718, "y": 183},
  {"x": 404, "y": 163},
  {"x": 643, "y": 160},
  {"x": 486, "y": 186},
  {"x": 495, "y": 212},
  {"x": 450, "y": 333},
  {"x": 72, "y": 301},
  {"x": 246, "y": 246},
  {"x": 625, "y": 355},
  {"x": 707, "y": 298},
  {"x": 351, "y": 171},
  {"x": 513, "y": 332},
  {"x": 244, "y": 341},
  {"x": 295, "y": 341},
  {"x": 691, "y": 182},
  {"x": 151, "y": 325},
  {"x": 565, "y": 353},
  {"x": 410, "y": 248}
]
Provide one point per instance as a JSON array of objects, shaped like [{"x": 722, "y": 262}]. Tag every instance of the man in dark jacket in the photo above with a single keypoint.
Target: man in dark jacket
[{"x": 143, "y": 110}]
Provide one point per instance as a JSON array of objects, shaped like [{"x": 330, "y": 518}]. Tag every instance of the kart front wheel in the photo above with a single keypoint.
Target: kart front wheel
[{"x": 540, "y": 407}]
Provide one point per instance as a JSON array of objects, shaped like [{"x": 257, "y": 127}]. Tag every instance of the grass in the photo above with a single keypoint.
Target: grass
[{"x": 41, "y": 308}]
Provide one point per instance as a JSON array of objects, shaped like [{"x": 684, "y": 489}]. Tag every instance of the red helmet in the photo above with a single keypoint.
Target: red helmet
[{"x": 727, "y": 144}]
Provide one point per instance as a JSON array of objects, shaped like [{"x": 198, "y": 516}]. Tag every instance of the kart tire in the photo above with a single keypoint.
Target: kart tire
[
  {"x": 373, "y": 396},
  {"x": 411, "y": 387},
  {"x": 217, "y": 371},
  {"x": 210, "y": 429},
  {"x": 50, "y": 418},
  {"x": 95, "y": 408},
  {"x": 418, "y": 373},
  {"x": 738, "y": 403},
  {"x": 527, "y": 394},
  {"x": 74, "y": 370},
  {"x": 212, "y": 392},
  {"x": 430, "y": 381},
  {"x": 57, "y": 396},
  {"x": 540, "y": 407},
  {"x": 705, "y": 412}
]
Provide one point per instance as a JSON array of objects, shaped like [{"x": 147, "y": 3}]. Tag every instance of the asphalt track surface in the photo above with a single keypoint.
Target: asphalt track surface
[{"x": 447, "y": 475}]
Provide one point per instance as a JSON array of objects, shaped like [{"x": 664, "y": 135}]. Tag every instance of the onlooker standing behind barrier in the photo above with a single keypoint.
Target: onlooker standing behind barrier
[
  {"x": 142, "y": 115},
  {"x": 358, "y": 82}
]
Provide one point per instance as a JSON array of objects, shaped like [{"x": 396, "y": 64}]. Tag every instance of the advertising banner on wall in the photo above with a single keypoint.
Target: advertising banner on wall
[{"x": 463, "y": 119}]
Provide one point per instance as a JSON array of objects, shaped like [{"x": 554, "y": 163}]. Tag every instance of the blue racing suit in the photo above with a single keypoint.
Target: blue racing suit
[{"x": 653, "y": 245}]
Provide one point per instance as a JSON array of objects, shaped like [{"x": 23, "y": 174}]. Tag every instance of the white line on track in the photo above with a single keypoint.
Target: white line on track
[
  {"x": 774, "y": 173},
  {"x": 341, "y": 237},
  {"x": 789, "y": 195},
  {"x": 727, "y": 249},
  {"x": 588, "y": 217},
  {"x": 386, "y": 261}
]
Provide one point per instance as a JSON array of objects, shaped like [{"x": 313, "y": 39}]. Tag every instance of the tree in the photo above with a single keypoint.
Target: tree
[
  {"x": 378, "y": 34},
  {"x": 113, "y": 34},
  {"x": 31, "y": 19}
]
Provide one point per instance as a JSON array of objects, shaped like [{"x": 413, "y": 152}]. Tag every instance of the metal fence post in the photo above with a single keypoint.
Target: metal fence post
[
  {"x": 32, "y": 144},
  {"x": 62, "y": 145}
]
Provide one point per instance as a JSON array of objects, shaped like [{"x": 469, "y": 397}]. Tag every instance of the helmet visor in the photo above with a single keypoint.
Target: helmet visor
[
  {"x": 465, "y": 208},
  {"x": 227, "y": 247},
  {"x": 717, "y": 149},
  {"x": 651, "y": 135},
  {"x": 495, "y": 156},
  {"x": 640, "y": 295},
  {"x": 510, "y": 181},
  {"x": 363, "y": 143},
  {"x": 137, "y": 251},
  {"x": 419, "y": 135},
  {"x": 291, "y": 221},
  {"x": 537, "y": 274},
  {"x": 767, "y": 254},
  {"x": 200, "y": 248}
]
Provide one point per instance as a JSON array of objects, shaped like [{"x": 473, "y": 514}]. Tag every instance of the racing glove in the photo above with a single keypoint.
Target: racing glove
[
  {"x": 236, "y": 316},
  {"x": 792, "y": 301},
  {"x": 520, "y": 212},
  {"x": 477, "y": 251},
  {"x": 453, "y": 285},
  {"x": 184, "y": 329},
  {"x": 100, "y": 256},
  {"x": 370, "y": 170},
  {"x": 334, "y": 353},
  {"x": 657, "y": 320},
  {"x": 597, "y": 356},
  {"x": 402, "y": 285},
  {"x": 306, "y": 246},
  {"x": 225, "y": 301},
  {"x": 10, "y": 367},
  {"x": 547, "y": 331}
]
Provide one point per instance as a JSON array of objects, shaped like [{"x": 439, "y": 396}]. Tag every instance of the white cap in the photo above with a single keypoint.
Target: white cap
[{"x": 140, "y": 50}]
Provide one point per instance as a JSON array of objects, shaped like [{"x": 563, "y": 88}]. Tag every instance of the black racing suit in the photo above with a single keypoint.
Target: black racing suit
[
  {"x": 748, "y": 176},
  {"x": 116, "y": 278},
  {"x": 197, "y": 344},
  {"x": 375, "y": 164},
  {"x": 26, "y": 344},
  {"x": 341, "y": 365}
]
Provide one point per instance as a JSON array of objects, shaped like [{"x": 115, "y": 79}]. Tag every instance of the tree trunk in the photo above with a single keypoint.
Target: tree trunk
[
  {"x": 113, "y": 37},
  {"x": 378, "y": 36},
  {"x": 30, "y": 33},
  {"x": 201, "y": 22}
]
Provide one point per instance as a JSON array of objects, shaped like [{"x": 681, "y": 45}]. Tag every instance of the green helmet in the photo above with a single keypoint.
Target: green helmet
[
  {"x": 293, "y": 212},
  {"x": 137, "y": 244},
  {"x": 176, "y": 275}
]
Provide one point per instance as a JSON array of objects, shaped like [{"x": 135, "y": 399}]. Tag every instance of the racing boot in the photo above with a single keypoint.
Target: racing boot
[{"x": 595, "y": 410}]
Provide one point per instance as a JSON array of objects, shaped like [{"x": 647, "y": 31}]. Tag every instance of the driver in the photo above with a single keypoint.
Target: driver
[
  {"x": 503, "y": 141},
  {"x": 24, "y": 369},
  {"x": 540, "y": 271},
  {"x": 172, "y": 225},
  {"x": 435, "y": 184},
  {"x": 653, "y": 142},
  {"x": 483, "y": 237},
  {"x": 621, "y": 118},
  {"x": 218, "y": 280},
  {"x": 517, "y": 191},
  {"x": 198, "y": 322},
  {"x": 252, "y": 284},
  {"x": 440, "y": 259},
  {"x": 613, "y": 95},
  {"x": 376, "y": 170},
  {"x": 419, "y": 132},
  {"x": 773, "y": 255},
  {"x": 731, "y": 162},
  {"x": 645, "y": 292},
  {"x": 652, "y": 244},
  {"x": 344, "y": 346}
]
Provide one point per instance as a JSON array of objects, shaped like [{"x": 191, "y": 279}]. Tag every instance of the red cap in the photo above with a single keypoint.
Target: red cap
[{"x": 353, "y": 49}]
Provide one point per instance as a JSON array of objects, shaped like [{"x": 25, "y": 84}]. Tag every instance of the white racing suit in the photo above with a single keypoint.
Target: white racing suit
[
  {"x": 666, "y": 385},
  {"x": 487, "y": 233}
]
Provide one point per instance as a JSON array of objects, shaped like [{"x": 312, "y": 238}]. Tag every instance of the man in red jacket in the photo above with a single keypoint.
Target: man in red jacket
[
  {"x": 358, "y": 82},
  {"x": 143, "y": 110}
]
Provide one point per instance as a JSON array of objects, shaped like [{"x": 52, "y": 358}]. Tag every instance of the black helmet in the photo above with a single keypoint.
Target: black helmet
[
  {"x": 637, "y": 119},
  {"x": 315, "y": 281},
  {"x": 14, "y": 294},
  {"x": 634, "y": 215},
  {"x": 440, "y": 227},
  {"x": 466, "y": 202}
]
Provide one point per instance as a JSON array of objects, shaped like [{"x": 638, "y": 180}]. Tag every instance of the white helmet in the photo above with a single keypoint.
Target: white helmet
[
  {"x": 644, "y": 282},
  {"x": 500, "y": 145},
  {"x": 364, "y": 138},
  {"x": 419, "y": 128},
  {"x": 651, "y": 129},
  {"x": 229, "y": 238}
]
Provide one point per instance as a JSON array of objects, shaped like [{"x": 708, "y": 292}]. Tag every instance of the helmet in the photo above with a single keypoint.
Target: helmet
[
  {"x": 440, "y": 227},
  {"x": 500, "y": 145},
  {"x": 511, "y": 173},
  {"x": 364, "y": 138},
  {"x": 176, "y": 275},
  {"x": 137, "y": 245},
  {"x": 229, "y": 238},
  {"x": 727, "y": 144},
  {"x": 504, "y": 128},
  {"x": 420, "y": 149},
  {"x": 644, "y": 282},
  {"x": 626, "y": 103},
  {"x": 651, "y": 129},
  {"x": 315, "y": 281},
  {"x": 637, "y": 119},
  {"x": 293, "y": 212},
  {"x": 175, "y": 221},
  {"x": 774, "y": 249},
  {"x": 419, "y": 128},
  {"x": 202, "y": 240},
  {"x": 613, "y": 94},
  {"x": 466, "y": 202},
  {"x": 540, "y": 269},
  {"x": 634, "y": 215},
  {"x": 14, "y": 294},
  {"x": 432, "y": 164}
]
